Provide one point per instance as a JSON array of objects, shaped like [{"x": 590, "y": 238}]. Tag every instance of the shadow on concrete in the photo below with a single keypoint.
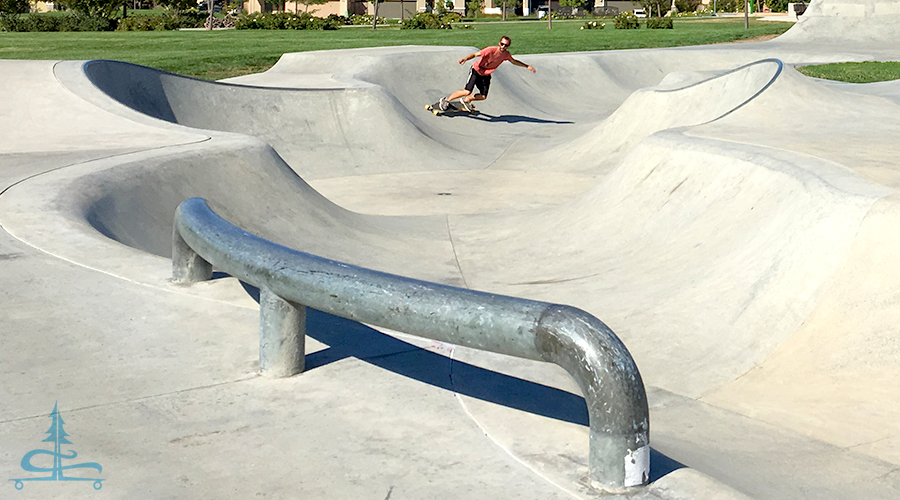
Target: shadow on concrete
[
  {"x": 347, "y": 338},
  {"x": 501, "y": 118},
  {"x": 514, "y": 119}
]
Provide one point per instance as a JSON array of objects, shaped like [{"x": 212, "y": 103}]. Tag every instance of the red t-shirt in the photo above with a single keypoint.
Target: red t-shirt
[{"x": 491, "y": 58}]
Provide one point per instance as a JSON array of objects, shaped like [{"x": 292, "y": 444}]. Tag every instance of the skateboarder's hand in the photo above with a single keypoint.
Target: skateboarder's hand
[
  {"x": 470, "y": 56},
  {"x": 529, "y": 68}
]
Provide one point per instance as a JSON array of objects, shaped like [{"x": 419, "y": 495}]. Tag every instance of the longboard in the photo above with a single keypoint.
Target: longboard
[{"x": 451, "y": 108}]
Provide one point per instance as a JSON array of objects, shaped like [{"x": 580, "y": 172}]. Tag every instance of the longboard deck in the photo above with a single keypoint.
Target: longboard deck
[{"x": 452, "y": 108}]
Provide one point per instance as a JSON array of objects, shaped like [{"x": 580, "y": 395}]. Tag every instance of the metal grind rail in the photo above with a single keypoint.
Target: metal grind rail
[{"x": 290, "y": 281}]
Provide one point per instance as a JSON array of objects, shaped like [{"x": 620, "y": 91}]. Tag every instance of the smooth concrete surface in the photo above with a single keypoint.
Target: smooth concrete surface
[{"x": 730, "y": 219}]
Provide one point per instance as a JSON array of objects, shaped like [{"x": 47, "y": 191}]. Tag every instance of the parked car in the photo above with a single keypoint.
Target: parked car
[{"x": 640, "y": 13}]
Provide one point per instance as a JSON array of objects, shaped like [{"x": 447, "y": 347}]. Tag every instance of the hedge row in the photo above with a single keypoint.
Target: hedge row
[
  {"x": 627, "y": 20},
  {"x": 168, "y": 21},
  {"x": 287, "y": 21},
  {"x": 430, "y": 21},
  {"x": 70, "y": 22}
]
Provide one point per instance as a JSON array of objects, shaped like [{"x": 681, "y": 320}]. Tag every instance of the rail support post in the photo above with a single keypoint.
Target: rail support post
[
  {"x": 282, "y": 336},
  {"x": 613, "y": 390},
  {"x": 187, "y": 265}
]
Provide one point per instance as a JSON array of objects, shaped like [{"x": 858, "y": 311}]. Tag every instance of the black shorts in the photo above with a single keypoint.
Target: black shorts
[{"x": 482, "y": 82}]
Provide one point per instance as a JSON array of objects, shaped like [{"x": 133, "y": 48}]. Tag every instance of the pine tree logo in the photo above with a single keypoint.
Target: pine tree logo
[{"x": 57, "y": 437}]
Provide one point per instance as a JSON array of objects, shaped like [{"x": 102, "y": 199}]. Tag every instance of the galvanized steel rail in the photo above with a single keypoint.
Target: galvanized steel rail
[{"x": 290, "y": 280}]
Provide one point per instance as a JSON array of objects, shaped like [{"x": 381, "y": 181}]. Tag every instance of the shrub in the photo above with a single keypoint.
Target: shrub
[
  {"x": 627, "y": 21},
  {"x": 284, "y": 21},
  {"x": 9, "y": 22},
  {"x": 169, "y": 21},
  {"x": 365, "y": 20},
  {"x": 83, "y": 22},
  {"x": 135, "y": 23},
  {"x": 9, "y": 13},
  {"x": 687, "y": 5},
  {"x": 41, "y": 22},
  {"x": 563, "y": 15},
  {"x": 609, "y": 11},
  {"x": 340, "y": 20},
  {"x": 593, "y": 25},
  {"x": 729, "y": 6},
  {"x": 67, "y": 22},
  {"x": 657, "y": 7},
  {"x": 430, "y": 21},
  {"x": 697, "y": 13},
  {"x": 777, "y": 5},
  {"x": 657, "y": 23},
  {"x": 14, "y": 6}
]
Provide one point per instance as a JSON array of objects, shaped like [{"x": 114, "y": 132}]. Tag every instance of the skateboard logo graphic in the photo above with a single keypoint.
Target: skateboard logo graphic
[{"x": 58, "y": 437}]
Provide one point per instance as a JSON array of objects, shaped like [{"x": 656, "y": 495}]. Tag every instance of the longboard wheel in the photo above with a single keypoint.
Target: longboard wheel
[
  {"x": 428, "y": 107},
  {"x": 435, "y": 112}
]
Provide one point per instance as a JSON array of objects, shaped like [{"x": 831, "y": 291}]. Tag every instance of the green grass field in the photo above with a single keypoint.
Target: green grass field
[
  {"x": 221, "y": 54},
  {"x": 865, "y": 72}
]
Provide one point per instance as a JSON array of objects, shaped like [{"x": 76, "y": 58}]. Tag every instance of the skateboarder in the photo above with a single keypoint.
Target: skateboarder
[{"x": 489, "y": 59}]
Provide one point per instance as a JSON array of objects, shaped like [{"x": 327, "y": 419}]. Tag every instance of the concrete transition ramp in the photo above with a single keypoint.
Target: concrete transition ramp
[
  {"x": 731, "y": 220},
  {"x": 869, "y": 21}
]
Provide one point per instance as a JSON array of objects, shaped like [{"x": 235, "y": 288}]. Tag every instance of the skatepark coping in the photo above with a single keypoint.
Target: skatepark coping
[{"x": 290, "y": 280}]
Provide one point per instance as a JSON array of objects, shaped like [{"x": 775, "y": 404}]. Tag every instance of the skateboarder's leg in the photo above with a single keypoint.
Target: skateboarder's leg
[
  {"x": 470, "y": 86},
  {"x": 484, "y": 84},
  {"x": 458, "y": 94}
]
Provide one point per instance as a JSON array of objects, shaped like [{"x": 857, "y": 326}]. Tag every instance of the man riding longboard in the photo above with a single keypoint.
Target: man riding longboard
[{"x": 490, "y": 58}]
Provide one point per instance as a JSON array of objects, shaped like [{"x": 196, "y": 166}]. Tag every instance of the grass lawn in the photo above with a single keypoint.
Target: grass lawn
[
  {"x": 864, "y": 72},
  {"x": 221, "y": 54}
]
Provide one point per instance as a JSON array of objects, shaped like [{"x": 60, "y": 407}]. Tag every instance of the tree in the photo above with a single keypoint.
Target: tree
[
  {"x": 9, "y": 12},
  {"x": 510, "y": 4},
  {"x": 375, "y": 17},
  {"x": 687, "y": 5},
  {"x": 777, "y": 5},
  {"x": 98, "y": 8},
  {"x": 178, "y": 5},
  {"x": 443, "y": 8},
  {"x": 307, "y": 3},
  {"x": 475, "y": 6},
  {"x": 13, "y": 7},
  {"x": 656, "y": 6},
  {"x": 572, "y": 3}
]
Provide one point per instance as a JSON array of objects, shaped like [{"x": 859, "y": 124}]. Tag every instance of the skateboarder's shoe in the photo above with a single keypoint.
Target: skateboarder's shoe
[
  {"x": 443, "y": 104},
  {"x": 467, "y": 106}
]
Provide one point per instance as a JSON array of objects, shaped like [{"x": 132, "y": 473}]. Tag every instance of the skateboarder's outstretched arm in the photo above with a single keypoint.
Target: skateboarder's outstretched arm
[
  {"x": 469, "y": 57},
  {"x": 520, "y": 63}
]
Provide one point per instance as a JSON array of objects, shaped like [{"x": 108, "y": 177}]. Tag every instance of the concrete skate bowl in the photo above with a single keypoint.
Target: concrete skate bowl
[{"x": 708, "y": 257}]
